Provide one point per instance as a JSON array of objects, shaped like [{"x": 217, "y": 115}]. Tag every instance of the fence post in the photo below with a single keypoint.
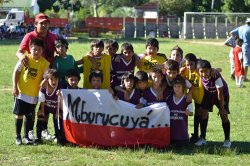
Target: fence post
[
  {"x": 135, "y": 29},
  {"x": 145, "y": 28},
  {"x": 157, "y": 27},
  {"x": 168, "y": 23},
  {"x": 204, "y": 27},
  {"x": 216, "y": 27},
  {"x": 124, "y": 27},
  {"x": 185, "y": 26},
  {"x": 226, "y": 26},
  {"x": 192, "y": 25},
  {"x": 179, "y": 26}
]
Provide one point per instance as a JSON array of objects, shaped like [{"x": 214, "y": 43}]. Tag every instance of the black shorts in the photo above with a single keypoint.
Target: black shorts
[
  {"x": 209, "y": 100},
  {"x": 23, "y": 108}
]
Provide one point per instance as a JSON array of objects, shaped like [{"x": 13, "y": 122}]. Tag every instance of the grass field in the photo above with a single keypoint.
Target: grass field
[{"x": 213, "y": 153}]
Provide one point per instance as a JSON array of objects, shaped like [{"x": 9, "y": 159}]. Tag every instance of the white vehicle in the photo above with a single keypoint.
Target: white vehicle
[{"x": 13, "y": 17}]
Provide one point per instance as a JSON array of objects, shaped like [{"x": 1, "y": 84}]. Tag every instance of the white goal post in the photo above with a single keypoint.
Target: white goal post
[{"x": 211, "y": 24}]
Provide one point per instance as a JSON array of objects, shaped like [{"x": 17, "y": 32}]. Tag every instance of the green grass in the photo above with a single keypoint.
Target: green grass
[{"x": 51, "y": 154}]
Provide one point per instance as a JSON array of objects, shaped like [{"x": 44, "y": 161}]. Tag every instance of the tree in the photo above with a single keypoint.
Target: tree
[
  {"x": 236, "y": 6},
  {"x": 175, "y": 7},
  {"x": 207, "y": 5},
  {"x": 45, "y": 4},
  {"x": 4, "y": 1}
]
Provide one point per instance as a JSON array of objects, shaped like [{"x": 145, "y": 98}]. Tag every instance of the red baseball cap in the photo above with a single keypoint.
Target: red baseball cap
[{"x": 41, "y": 17}]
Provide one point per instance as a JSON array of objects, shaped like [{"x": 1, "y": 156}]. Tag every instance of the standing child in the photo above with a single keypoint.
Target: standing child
[
  {"x": 216, "y": 93},
  {"x": 95, "y": 79},
  {"x": 127, "y": 84},
  {"x": 177, "y": 55},
  {"x": 180, "y": 109},
  {"x": 111, "y": 47},
  {"x": 63, "y": 62},
  {"x": 127, "y": 63},
  {"x": 103, "y": 62},
  {"x": 238, "y": 63},
  {"x": 49, "y": 105},
  {"x": 152, "y": 58},
  {"x": 25, "y": 97}
]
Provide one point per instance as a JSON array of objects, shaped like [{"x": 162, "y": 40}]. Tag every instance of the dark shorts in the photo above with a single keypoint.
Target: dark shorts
[
  {"x": 209, "y": 100},
  {"x": 23, "y": 108},
  {"x": 48, "y": 111}
]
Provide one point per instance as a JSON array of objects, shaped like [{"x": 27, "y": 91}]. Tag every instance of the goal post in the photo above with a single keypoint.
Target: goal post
[{"x": 211, "y": 24}]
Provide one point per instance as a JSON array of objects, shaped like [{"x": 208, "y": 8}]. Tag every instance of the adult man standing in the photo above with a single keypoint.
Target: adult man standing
[
  {"x": 41, "y": 31},
  {"x": 244, "y": 34}
]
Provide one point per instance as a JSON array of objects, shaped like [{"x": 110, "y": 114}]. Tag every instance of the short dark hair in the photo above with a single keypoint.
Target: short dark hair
[
  {"x": 156, "y": 70},
  {"x": 73, "y": 73},
  {"x": 62, "y": 41},
  {"x": 37, "y": 42},
  {"x": 239, "y": 41},
  {"x": 112, "y": 43},
  {"x": 191, "y": 57},
  {"x": 96, "y": 43},
  {"x": 171, "y": 65},
  {"x": 203, "y": 64},
  {"x": 97, "y": 74},
  {"x": 152, "y": 42},
  {"x": 127, "y": 46},
  {"x": 127, "y": 76},
  {"x": 179, "y": 80},
  {"x": 141, "y": 76},
  {"x": 52, "y": 73},
  {"x": 177, "y": 48}
]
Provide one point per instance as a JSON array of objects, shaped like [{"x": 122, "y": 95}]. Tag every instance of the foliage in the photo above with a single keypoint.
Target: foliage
[
  {"x": 173, "y": 7},
  {"x": 206, "y": 5},
  {"x": 236, "y": 6},
  {"x": 4, "y": 1},
  {"x": 124, "y": 12},
  {"x": 45, "y": 4}
]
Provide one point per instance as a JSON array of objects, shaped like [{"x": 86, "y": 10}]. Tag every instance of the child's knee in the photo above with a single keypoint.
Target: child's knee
[{"x": 19, "y": 116}]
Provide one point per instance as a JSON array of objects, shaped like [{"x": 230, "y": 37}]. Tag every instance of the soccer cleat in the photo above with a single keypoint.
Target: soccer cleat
[
  {"x": 46, "y": 135},
  {"x": 200, "y": 142},
  {"x": 226, "y": 144},
  {"x": 28, "y": 141},
  {"x": 31, "y": 135},
  {"x": 18, "y": 141}
]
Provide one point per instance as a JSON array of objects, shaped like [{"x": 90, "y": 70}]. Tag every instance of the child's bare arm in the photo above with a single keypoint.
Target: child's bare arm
[
  {"x": 79, "y": 62},
  {"x": 138, "y": 62},
  {"x": 15, "y": 78},
  {"x": 119, "y": 88},
  {"x": 44, "y": 83},
  {"x": 222, "y": 110},
  {"x": 190, "y": 91},
  {"x": 40, "y": 113}
]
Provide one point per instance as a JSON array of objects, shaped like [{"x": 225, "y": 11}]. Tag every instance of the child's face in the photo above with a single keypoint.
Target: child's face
[
  {"x": 142, "y": 85},
  {"x": 129, "y": 83},
  {"x": 171, "y": 74},
  {"x": 178, "y": 89},
  {"x": 240, "y": 44},
  {"x": 204, "y": 73},
  {"x": 151, "y": 50},
  {"x": 36, "y": 51},
  {"x": 53, "y": 82},
  {"x": 156, "y": 78},
  {"x": 61, "y": 50},
  {"x": 111, "y": 50},
  {"x": 127, "y": 54},
  {"x": 175, "y": 55},
  {"x": 96, "y": 82},
  {"x": 190, "y": 65},
  {"x": 73, "y": 81},
  {"x": 97, "y": 50}
]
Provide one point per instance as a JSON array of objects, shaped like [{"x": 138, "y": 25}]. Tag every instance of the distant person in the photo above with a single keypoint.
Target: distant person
[
  {"x": 231, "y": 42},
  {"x": 41, "y": 31},
  {"x": 151, "y": 34},
  {"x": 244, "y": 34},
  {"x": 238, "y": 63},
  {"x": 26, "y": 85}
]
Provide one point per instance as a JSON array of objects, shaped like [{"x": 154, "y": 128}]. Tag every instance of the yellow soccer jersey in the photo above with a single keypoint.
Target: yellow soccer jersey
[
  {"x": 195, "y": 80},
  {"x": 104, "y": 64},
  {"x": 31, "y": 76},
  {"x": 148, "y": 62}
]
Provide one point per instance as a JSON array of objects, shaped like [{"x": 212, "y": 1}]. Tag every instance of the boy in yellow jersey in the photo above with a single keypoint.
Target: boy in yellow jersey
[
  {"x": 103, "y": 62},
  {"x": 26, "y": 85},
  {"x": 152, "y": 58},
  {"x": 191, "y": 74}
]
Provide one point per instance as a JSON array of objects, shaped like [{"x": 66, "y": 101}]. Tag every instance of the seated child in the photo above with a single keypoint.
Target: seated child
[
  {"x": 25, "y": 77},
  {"x": 180, "y": 109},
  {"x": 129, "y": 93},
  {"x": 95, "y": 79}
]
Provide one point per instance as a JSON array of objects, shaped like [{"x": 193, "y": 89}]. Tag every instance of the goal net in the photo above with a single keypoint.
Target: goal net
[{"x": 211, "y": 24}]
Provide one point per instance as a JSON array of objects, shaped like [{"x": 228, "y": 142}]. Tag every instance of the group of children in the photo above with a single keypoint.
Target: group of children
[{"x": 175, "y": 81}]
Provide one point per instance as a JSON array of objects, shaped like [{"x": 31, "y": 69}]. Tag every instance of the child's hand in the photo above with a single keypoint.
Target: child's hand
[
  {"x": 44, "y": 83},
  {"x": 138, "y": 106},
  {"x": 24, "y": 60},
  {"x": 58, "y": 93},
  {"x": 189, "y": 97},
  {"x": 188, "y": 113},
  {"x": 118, "y": 58},
  {"x": 182, "y": 70},
  {"x": 15, "y": 92},
  {"x": 40, "y": 113}
]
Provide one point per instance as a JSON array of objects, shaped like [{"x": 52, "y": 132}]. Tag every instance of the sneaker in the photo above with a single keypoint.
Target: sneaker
[
  {"x": 28, "y": 141},
  {"x": 226, "y": 144},
  {"x": 46, "y": 135},
  {"x": 200, "y": 142},
  {"x": 193, "y": 138},
  {"x": 31, "y": 135},
  {"x": 18, "y": 141}
]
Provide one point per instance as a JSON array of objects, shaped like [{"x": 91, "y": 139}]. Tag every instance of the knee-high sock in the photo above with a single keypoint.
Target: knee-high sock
[
  {"x": 18, "y": 124},
  {"x": 196, "y": 125},
  {"x": 27, "y": 125},
  {"x": 39, "y": 128},
  {"x": 203, "y": 124},
  {"x": 226, "y": 129}
]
